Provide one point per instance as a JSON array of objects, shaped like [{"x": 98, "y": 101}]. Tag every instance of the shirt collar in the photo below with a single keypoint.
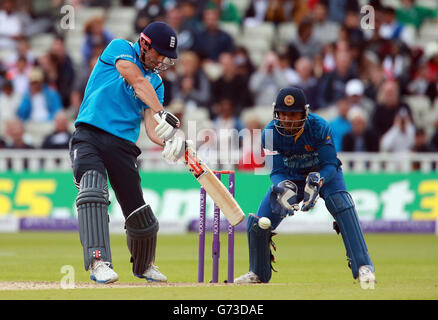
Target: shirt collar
[{"x": 137, "y": 48}]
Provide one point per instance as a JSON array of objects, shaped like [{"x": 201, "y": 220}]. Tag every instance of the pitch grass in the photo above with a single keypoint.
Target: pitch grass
[{"x": 309, "y": 267}]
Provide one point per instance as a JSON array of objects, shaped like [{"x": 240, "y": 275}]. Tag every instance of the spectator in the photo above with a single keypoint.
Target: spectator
[
  {"x": 60, "y": 65},
  {"x": 255, "y": 13},
  {"x": 15, "y": 135},
  {"x": 191, "y": 20},
  {"x": 306, "y": 81},
  {"x": 431, "y": 64},
  {"x": 242, "y": 60},
  {"x": 391, "y": 29},
  {"x": 267, "y": 80},
  {"x": 186, "y": 37},
  {"x": 290, "y": 74},
  {"x": 153, "y": 11},
  {"x": 80, "y": 85},
  {"x": 96, "y": 3},
  {"x": 11, "y": 26},
  {"x": 332, "y": 84},
  {"x": 212, "y": 41},
  {"x": 227, "y": 127},
  {"x": 96, "y": 38},
  {"x": 38, "y": 16},
  {"x": 279, "y": 11},
  {"x": 401, "y": 136},
  {"x": 60, "y": 138},
  {"x": 227, "y": 118},
  {"x": 352, "y": 28},
  {"x": 252, "y": 156},
  {"x": 228, "y": 11},
  {"x": 375, "y": 78},
  {"x": 339, "y": 8},
  {"x": 396, "y": 61},
  {"x": 19, "y": 75},
  {"x": 354, "y": 91},
  {"x": 192, "y": 85},
  {"x": 434, "y": 139},
  {"x": 2, "y": 143},
  {"x": 421, "y": 143},
  {"x": 340, "y": 125},
  {"x": 231, "y": 85},
  {"x": 361, "y": 138},
  {"x": 41, "y": 102},
  {"x": 23, "y": 50},
  {"x": 412, "y": 14},
  {"x": 324, "y": 30},
  {"x": 388, "y": 105},
  {"x": 9, "y": 102},
  {"x": 305, "y": 44}
]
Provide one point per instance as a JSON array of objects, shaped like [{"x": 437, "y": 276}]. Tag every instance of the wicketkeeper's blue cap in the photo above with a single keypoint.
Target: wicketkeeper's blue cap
[{"x": 290, "y": 99}]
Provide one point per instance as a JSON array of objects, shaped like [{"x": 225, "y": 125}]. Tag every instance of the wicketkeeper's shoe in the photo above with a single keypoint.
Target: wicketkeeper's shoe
[
  {"x": 366, "y": 277},
  {"x": 101, "y": 272},
  {"x": 152, "y": 274},
  {"x": 249, "y": 277}
]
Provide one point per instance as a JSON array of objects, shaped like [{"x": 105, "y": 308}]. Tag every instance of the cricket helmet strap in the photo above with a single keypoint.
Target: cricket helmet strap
[{"x": 290, "y": 99}]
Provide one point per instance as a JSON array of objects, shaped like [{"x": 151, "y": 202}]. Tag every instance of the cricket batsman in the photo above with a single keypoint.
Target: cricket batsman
[
  {"x": 299, "y": 148},
  {"x": 124, "y": 88}
]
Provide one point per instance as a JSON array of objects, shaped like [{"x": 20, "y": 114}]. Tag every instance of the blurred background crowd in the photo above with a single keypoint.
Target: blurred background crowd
[{"x": 372, "y": 74}]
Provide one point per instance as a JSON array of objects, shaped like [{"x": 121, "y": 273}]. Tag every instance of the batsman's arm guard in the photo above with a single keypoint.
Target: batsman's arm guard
[
  {"x": 141, "y": 235},
  {"x": 92, "y": 206}
]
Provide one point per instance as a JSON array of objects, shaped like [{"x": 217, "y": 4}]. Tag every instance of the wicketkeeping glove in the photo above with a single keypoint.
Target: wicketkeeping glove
[
  {"x": 314, "y": 182},
  {"x": 283, "y": 198},
  {"x": 167, "y": 124}
]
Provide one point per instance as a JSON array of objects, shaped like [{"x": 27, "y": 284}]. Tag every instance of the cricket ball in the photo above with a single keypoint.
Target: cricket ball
[{"x": 264, "y": 223}]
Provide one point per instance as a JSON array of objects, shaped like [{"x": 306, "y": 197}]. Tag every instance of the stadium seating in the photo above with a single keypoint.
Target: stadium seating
[{"x": 231, "y": 28}]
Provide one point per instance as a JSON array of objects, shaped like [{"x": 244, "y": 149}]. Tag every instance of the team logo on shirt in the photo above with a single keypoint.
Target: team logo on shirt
[{"x": 289, "y": 100}]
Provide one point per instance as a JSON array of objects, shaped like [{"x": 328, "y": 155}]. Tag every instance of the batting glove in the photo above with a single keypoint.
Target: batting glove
[
  {"x": 167, "y": 124},
  {"x": 174, "y": 149},
  {"x": 283, "y": 198},
  {"x": 314, "y": 182}
]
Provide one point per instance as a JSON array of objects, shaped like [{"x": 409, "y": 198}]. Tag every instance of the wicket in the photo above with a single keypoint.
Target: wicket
[{"x": 216, "y": 234}]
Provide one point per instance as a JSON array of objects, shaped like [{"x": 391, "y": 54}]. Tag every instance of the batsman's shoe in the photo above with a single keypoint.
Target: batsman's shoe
[
  {"x": 152, "y": 274},
  {"x": 366, "y": 277},
  {"x": 101, "y": 272},
  {"x": 249, "y": 277}
]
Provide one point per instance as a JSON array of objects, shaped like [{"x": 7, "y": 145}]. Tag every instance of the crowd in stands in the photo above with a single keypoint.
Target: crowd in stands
[{"x": 360, "y": 79}]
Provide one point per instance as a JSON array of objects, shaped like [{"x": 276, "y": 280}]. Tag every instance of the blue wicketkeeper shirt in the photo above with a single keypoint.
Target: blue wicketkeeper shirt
[{"x": 110, "y": 103}]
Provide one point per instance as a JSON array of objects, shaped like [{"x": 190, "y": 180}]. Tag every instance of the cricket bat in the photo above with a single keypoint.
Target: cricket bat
[
  {"x": 213, "y": 186},
  {"x": 215, "y": 189}
]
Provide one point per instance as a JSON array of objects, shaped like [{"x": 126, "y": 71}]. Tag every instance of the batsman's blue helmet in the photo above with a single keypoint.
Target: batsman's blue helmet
[{"x": 161, "y": 37}]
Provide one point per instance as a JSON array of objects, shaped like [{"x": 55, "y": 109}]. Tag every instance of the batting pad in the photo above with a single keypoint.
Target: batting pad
[
  {"x": 259, "y": 250},
  {"x": 141, "y": 236},
  {"x": 341, "y": 206},
  {"x": 92, "y": 205}
]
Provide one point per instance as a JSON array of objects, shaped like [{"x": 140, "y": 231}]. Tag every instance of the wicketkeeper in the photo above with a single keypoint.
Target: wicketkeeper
[
  {"x": 123, "y": 89},
  {"x": 299, "y": 148}
]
